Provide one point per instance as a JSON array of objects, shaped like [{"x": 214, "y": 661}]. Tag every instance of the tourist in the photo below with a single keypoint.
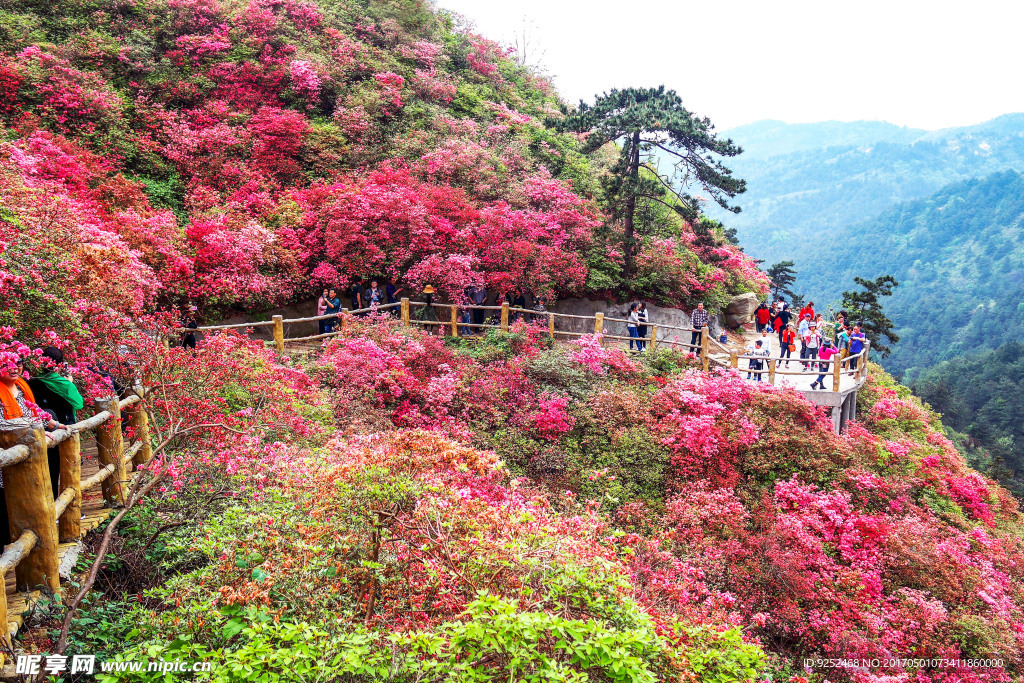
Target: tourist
[
  {"x": 333, "y": 309},
  {"x": 843, "y": 343},
  {"x": 812, "y": 341},
  {"x": 19, "y": 410},
  {"x": 391, "y": 293},
  {"x": 355, "y": 293},
  {"x": 58, "y": 396},
  {"x": 426, "y": 313},
  {"x": 787, "y": 345},
  {"x": 478, "y": 295},
  {"x": 321, "y": 310},
  {"x": 641, "y": 330},
  {"x": 540, "y": 315},
  {"x": 633, "y": 326},
  {"x": 828, "y": 352},
  {"x": 766, "y": 341},
  {"x": 857, "y": 340},
  {"x": 808, "y": 311},
  {"x": 373, "y": 296},
  {"x": 698, "y": 319},
  {"x": 756, "y": 363},
  {"x": 188, "y": 321},
  {"x": 801, "y": 332},
  {"x": 762, "y": 316}
]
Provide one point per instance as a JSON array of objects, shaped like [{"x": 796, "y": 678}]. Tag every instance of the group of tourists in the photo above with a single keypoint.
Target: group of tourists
[
  {"x": 49, "y": 399},
  {"x": 360, "y": 295},
  {"x": 820, "y": 340}
]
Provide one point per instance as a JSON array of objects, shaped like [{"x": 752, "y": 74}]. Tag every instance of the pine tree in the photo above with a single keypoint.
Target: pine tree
[
  {"x": 865, "y": 310},
  {"x": 783, "y": 276},
  {"x": 644, "y": 120}
]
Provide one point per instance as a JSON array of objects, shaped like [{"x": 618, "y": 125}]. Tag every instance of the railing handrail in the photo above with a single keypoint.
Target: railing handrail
[{"x": 44, "y": 522}]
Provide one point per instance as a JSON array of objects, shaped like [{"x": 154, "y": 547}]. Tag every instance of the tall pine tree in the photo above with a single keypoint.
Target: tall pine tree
[
  {"x": 783, "y": 276},
  {"x": 865, "y": 310},
  {"x": 643, "y": 121}
]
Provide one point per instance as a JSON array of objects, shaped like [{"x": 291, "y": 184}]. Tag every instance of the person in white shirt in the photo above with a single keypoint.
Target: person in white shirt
[
  {"x": 757, "y": 362},
  {"x": 766, "y": 341}
]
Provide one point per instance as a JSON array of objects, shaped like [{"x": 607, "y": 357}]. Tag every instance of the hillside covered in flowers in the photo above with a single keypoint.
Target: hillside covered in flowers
[
  {"x": 235, "y": 156},
  {"x": 397, "y": 508}
]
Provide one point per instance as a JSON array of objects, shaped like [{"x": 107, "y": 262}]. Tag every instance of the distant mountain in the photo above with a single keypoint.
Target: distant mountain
[
  {"x": 959, "y": 258},
  {"x": 806, "y": 178}
]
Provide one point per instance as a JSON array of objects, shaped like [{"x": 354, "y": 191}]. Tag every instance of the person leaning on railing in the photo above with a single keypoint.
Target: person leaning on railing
[
  {"x": 19, "y": 410},
  {"x": 698, "y": 320},
  {"x": 59, "y": 397},
  {"x": 857, "y": 340}
]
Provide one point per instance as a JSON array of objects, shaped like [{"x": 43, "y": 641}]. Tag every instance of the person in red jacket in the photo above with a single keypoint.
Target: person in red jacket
[
  {"x": 787, "y": 338},
  {"x": 807, "y": 311},
  {"x": 762, "y": 316}
]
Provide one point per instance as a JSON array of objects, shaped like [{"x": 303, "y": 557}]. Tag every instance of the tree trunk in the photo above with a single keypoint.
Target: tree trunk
[{"x": 629, "y": 241}]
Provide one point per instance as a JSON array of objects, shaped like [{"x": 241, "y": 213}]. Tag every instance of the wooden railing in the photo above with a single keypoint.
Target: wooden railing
[
  {"x": 38, "y": 522},
  {"x": 709, "y": 350}
]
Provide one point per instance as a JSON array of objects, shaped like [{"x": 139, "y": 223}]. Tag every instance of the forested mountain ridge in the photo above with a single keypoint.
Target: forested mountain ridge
[
  {"x": 803, "y": 179},
  {"x": 958, "y": 256}
]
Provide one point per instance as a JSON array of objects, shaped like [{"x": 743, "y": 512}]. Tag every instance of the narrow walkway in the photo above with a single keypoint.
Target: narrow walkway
[{"x": 93, "y": 514}]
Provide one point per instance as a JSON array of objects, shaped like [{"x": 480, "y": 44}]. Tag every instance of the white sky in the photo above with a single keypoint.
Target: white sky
[{"x": 911, "y": 62}]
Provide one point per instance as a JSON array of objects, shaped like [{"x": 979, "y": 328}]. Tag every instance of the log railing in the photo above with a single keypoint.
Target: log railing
[
  {"x": 447, "y": 319},
  {"x": 38, "y": 522}
]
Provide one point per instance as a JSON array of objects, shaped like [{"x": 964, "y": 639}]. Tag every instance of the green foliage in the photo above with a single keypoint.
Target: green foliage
[
  {"x": 980, "y": 396},
  {"x": 644, "y": 120},
  {"x": 722, "y": 656},
  {"x": 783, "y": 276},
  {"x": 865, "y": 310}
]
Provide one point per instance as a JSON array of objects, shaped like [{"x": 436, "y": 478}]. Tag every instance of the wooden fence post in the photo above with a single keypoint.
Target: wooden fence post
[
  {"x": 504, "y": 317},
  {"x": 279, "y": 332},
  {"x": 405, "y": 311},
  {"x": 110, "y": 450},
  {"x": 551, "y": 325},
  {"x": 599, "y": 325},
  {"x": 654, "y": 337},
  {"x": 705, "y": 342},
  {"x": 70, "y": 523},
  {"x": 341, "y": 319},
  {"x": 734, "y": 359},
  {"x": 864, "y": 358},
  {"x": 30, "y": 507},
  {"x": 836, "y": 369},
  {"x": 455, "y": 320},
  {"x": 771, "y": 371},
  {"x": 138, "y": 418}
]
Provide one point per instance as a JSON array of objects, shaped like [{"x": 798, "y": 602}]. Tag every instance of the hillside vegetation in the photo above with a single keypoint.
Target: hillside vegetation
[
  {"x": 959, "y": 258},
  {"x": 243, "y": 155},
  {"x": 509, "y": 509}
]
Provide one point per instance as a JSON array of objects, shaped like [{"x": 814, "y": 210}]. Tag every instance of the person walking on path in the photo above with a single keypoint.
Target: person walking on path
[
  {"x": 857, "y": 340},
  {"x": 812, "y": 341},
  {"x": 698, "y": 319},
  {"x": 766, "y": 341},
  {"x": 633, "y": 327},
  {"x": 827, "y": 353},
  {"x": 641, "y": 330},
  {"x": 333, "y": 309},
  {"x": 801, "y": 333},
  {"x": 762, "y": 316},
  {"x": 759, "y": 354},
  {"x": 321, "y": 309},
  {"x": 787, "y": 343}
]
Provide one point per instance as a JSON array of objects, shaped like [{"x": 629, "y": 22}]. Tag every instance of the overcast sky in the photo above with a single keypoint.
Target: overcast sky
[{"x": 922, "y": 64}]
